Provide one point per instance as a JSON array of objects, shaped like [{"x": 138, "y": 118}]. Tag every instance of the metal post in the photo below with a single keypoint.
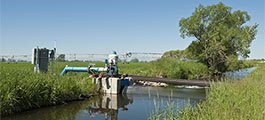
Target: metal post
[{"x": 37, "y": 61}]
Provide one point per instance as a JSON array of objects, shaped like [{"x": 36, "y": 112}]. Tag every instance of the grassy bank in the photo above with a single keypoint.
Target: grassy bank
[
  {"x": 169, "y": 68},
  {"x": 243, "y": 99},
  {"x": 236, "y": 100},
  {"x": 178, "y": 69},
  {"x": 21, "y": 89}
]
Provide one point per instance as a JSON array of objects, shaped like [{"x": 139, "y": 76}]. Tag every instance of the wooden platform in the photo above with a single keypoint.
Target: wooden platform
[{"x": 200, "y": 83}]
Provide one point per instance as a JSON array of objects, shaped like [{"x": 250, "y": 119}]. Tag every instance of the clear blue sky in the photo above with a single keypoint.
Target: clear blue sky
[{"x": 100, "y": 26}]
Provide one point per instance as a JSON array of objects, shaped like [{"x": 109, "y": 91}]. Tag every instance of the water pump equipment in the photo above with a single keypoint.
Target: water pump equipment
[
  {"x": 111, "y": 67},
  {"x": 107, "y": 77}
]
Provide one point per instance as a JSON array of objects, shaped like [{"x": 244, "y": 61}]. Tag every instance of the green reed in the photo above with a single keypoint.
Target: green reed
[
  {"x": 21, "y": 89},
  {"x": 230, "y": 99}
]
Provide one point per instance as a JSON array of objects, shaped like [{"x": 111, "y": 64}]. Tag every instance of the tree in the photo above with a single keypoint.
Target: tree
[
  {"x": 61, "y": 58},
  {"x": 220, "y": 35},
  {"x": 3, "y": 60},
  {"x": 177, "y": 54},
  {"x": 134, "y": 60}
]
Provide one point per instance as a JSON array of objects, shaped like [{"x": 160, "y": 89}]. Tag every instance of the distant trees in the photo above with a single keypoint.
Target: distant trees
[
  {"x": 134, "y": 60},
  {"x": 61, "y": 58},
  {"x": 178, "y": 54},
  {"x": 3, "y": 60},
  {"x": 221, "y": 36},
  {"x": 174, "y": 54}
]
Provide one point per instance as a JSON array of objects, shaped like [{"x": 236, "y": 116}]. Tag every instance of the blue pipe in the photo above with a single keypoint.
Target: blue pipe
[
  {"x": 84, "y": 69},
  {"x": 74, "y": 69}
]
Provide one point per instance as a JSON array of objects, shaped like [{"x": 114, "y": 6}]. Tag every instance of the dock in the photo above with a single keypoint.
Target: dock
[{"x": 201, "y": 83}]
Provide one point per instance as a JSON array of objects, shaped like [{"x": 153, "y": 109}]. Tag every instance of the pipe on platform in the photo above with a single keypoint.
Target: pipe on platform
[{"x": 83, "y": 69}]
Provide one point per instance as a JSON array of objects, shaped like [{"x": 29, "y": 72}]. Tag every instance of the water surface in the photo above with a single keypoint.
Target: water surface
[
  {"x": 239, "y": 74},
  {"x": 138, "y": 104}
]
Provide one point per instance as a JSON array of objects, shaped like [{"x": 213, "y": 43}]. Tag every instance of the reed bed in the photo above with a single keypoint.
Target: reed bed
[
  {"x": 227, "y": 100},
  {"x": 168, "y": 68},
  {"x": 21, "y": 89}
]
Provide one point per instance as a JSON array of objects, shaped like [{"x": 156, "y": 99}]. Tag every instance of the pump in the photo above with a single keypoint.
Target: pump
[
  {"x": 111, "y": 67},
  {"x": 106, "y": 77}
]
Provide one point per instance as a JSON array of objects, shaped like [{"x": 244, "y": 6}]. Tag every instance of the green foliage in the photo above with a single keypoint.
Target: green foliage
[
  {"x": 221, "y": 35},
  {"x": 21, "y": 89},
  {"x": 233, "y": 64},
  {"x": 136, "y": 69},
  {"x": 178, "y": 54},
  {"x": 233, "y": 100},
  {"x": 3, "y": 60},
  {"x": 169, "y": 68},
  {"x": 227, "y": 100},
  {"x": 172, "y": 68},
  {"x": 61, "y": 58},
  {"x": 135, "y": 60},
  {"x": 162, "y": 113}
]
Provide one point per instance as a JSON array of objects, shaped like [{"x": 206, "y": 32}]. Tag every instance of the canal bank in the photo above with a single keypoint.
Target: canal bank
[
  {"x": 62, "y": 87},
  {"x": 139, "y": 103},
  {"x": 21, "y": 89},
  {"x": 243, "y": 99}
]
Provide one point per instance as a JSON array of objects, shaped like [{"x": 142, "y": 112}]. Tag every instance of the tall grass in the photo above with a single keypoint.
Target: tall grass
[
  {"x": 232, "y": 100},
  {"x": 21, "y": 89},
  {"x": 169, "y": 68},
  {"x": 162, "y": 113},
  {"x": 172, "y": 68}
]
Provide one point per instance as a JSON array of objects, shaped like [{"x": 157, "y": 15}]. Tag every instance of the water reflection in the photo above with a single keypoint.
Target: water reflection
[
  {"x": 239, "y": 74},
  {"x": 109, "y": 105},
  {"x": 138, "y": 104},
  {"x": 58, "y": 112}
]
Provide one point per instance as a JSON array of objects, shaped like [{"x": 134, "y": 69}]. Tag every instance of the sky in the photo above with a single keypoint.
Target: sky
[{"x": 101, "y": 26}]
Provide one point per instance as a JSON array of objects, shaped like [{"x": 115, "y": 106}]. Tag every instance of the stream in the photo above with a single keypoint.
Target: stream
[{"x": 138, "y": 104}]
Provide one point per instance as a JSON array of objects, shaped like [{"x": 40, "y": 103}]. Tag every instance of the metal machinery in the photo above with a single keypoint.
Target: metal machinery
[
  {"x": 107, "y": 77},
  {"x": 40, "y": 59},
  {"x": 110, "y": 68}
]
